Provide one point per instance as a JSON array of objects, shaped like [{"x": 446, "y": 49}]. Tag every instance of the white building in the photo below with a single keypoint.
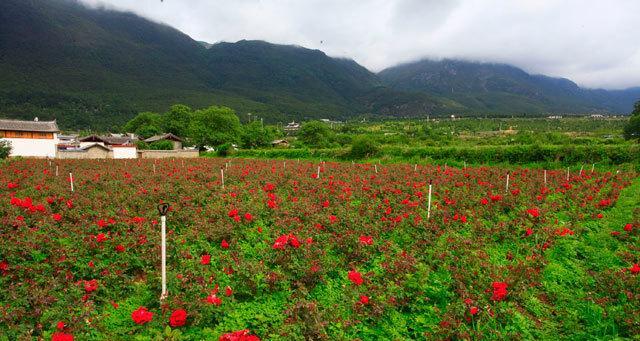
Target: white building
[{"x": 30, "y": 138}]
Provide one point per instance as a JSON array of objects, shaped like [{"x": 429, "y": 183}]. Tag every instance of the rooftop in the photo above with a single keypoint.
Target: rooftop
[{"x": 39, "y": 126}]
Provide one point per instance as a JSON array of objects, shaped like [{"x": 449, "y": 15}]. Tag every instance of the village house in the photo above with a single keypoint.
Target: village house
[
  {"x": 30, "y": 138},
  {"x": 177, "y": 142}
]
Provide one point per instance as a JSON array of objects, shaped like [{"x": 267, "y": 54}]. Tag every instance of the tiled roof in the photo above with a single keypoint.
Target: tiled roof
[
  {"x": 167, "y": 136},
  {"x": 39, "y": 126}
]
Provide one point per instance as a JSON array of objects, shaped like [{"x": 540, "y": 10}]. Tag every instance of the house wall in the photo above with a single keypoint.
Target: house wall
[
  {"x": 159, "y": 154},
  {"x": 33, "y": 147},
  {"x": 177, "y": 145},
  {"x": 125, "y": 152},
  {"x": 91, "y": 153}
]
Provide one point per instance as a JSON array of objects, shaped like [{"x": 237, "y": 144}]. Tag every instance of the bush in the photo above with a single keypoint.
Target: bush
[
  {"x": 161, "y": 145},
  {"x": 363, "y": 147},
  {"x": 5, "y": 149},
  {"x": 225, "y": 149}
]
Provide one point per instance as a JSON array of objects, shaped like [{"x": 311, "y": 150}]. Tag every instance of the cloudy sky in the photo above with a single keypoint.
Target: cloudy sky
[{"x": 594, "y": 43}]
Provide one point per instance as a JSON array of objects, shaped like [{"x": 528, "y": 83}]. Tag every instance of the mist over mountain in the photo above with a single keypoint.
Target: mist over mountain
[{"x": 96, "y": 68}]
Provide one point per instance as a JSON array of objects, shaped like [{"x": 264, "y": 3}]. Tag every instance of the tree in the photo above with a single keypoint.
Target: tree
[
  {"x": 146, "y": 131},
  {"x": 5, "y": 149},
  {"x": 215, "y": 126},
  {"x": 632, "y": 129},
  {"x": 141, "y": 120},
  {"x": 255, "y": 135},
  {"x": 315, "y": 134},
  {"x": 363, "y": 147},
  {"x": 176, "y": 120}
]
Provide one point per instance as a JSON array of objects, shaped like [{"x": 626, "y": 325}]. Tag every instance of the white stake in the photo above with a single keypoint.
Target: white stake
[
  {"x": 222, "y": 176},
  {"x": 71, "y": 181},
  {"x": 318, "y": 174},
  {"x": 506, "y": 188},
  {"x": 56, "y": 170},
  {"x": 415, "y": 167},
  {"x": 376, "y": 168},
  {"x": 154, "y": 168},
  {"x": 163, "y": 248},
  {"x": 581, "y": 167},
  {"x": 429, "y": 202},
  {"x": 284, "y": 165},
  {"x": 593, "y": 166},
  {"x": 545, "y": 178},
  {"x": 567, "y": 173}
]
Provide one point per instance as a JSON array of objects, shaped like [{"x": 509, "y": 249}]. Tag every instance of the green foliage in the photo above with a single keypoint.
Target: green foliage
[
  {"x": 5, "y": 149},
  {"x": 363, "y": 147},
  {"x": 146, "y": 131},
  {"x": 215, "y": 126},
  {"x": 632, "y": 129},
  {"x": 315, "y": 134},
  {"x": 176, "y": 120},
  {"x": 225, "y": 150},
  {"x": 142, "y": 121},
  {"x": 254, "y": 135}
]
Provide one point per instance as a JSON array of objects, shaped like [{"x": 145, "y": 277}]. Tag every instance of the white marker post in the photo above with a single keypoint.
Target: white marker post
[
  {"x": 376, "y": 168},
  {"x": 581, "y": 167},
  {"x": 71, "y": 181},
  {"x": 154, "y": 168},
  {"x": 318, "y": 174},
  {"x": 162, "y": 209},
  {"x": 567, "y": 173},
  {"x": 545, "y": 178},
  {"x": 506, "y": 188},
  {"x": 415, "y": 167},
  {"x": 429, "y": 201},
  {"x": 593, "y": 166},
  {"x": 222, "y": 176},
  {"x": 284, "y": 164},
  {"x": 56, "y": 170}
]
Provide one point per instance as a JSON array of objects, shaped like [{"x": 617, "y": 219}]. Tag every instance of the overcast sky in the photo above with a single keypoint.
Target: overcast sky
[{"x": 594, "y": 43}]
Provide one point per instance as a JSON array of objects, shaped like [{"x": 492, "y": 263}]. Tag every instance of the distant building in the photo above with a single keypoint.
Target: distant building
[
  {"x": 280, "y": 143},
  {"x": 177, "y": 142},
  {"x": 292, "y": 127},
  {"x": 597, "y": 116},
  {"x": 30, "y": 138},
  {"x": 554, "y": 117},
  {"x": 109, "y": 140}
]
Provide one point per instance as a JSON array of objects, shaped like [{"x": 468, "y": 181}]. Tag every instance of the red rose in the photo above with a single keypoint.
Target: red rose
[
  {"x": 355, "y": 277},
  {"x": 241, "y": 335},
  {"x": 178, "y": 318},
  {"x": 91, "y": 285},
  {"x": 635, "y": 269},
  {"x": 60, "y": 336},
  {"x": 205, "y": 259},
  {"x": 224, "y": 244},
  {"x": 141, "y": 316},
  {"x": 364, "y": 299},
  {"x": 473, "y": 310},
  {"x": 499, "y": 291},
  {"x": 56, "y": 216}
]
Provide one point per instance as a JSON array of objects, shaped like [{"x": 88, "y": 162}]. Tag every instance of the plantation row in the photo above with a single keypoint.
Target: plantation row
[
  {"x": 522, "y": 154},
  {"x": 301, "y": 250}
]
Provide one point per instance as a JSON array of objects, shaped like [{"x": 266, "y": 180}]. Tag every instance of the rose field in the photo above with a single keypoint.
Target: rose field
[{"x": 280, "y": 253}]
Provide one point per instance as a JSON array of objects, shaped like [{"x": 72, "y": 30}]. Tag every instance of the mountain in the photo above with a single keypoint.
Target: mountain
[
  {"x": 94, "y": 68},
  {"x": 502, "y": 88}
]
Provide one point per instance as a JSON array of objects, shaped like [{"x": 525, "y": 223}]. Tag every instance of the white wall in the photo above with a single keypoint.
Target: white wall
[
  {"x": 125, "y": 152},
  {"x": 33, "y": 147}
]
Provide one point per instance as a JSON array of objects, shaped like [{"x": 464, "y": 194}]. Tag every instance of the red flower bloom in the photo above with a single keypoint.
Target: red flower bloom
[
  {"x": 120, "y": 248},
  {"x": 60, "y": 336},
  {"x": 178, "y": 318},
  {"x": 473, "y": 310},
  {"x": 248, "y": 217},
  {"x": 205, "y": 259},
  {"x": 366, "y": 240},
  {"x": 224, "y": 244},
  {"x": 628, "y": 227},
  {"x": 635, "y": 269},
  {"x": 141, "y": 316},
  {"x": 101, "y": 237},
  {"x": 281, "y": 242},
  {"x": 364, "y": 299},
  {"x": 56, "y": 216},
  {"x": 228, "y": 291},
  {"x": 60, "y": 325},
  {"x": 499, "y": 291},
  {"x": 90, "y": 286},
  {"x": 600, "y": 216},
  {"x": 534, "y": 212},
  {"x": 241, "y": 335},
  {"x": 213, "y": 299},
  {"x": 528, "y": 232},
  {"x": 355, "y": 277}
]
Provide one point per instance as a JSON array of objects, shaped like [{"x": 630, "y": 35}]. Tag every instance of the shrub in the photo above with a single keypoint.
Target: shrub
[
  {"x": 363, "y": 147},
  {"x": 5, "y": 149}
]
